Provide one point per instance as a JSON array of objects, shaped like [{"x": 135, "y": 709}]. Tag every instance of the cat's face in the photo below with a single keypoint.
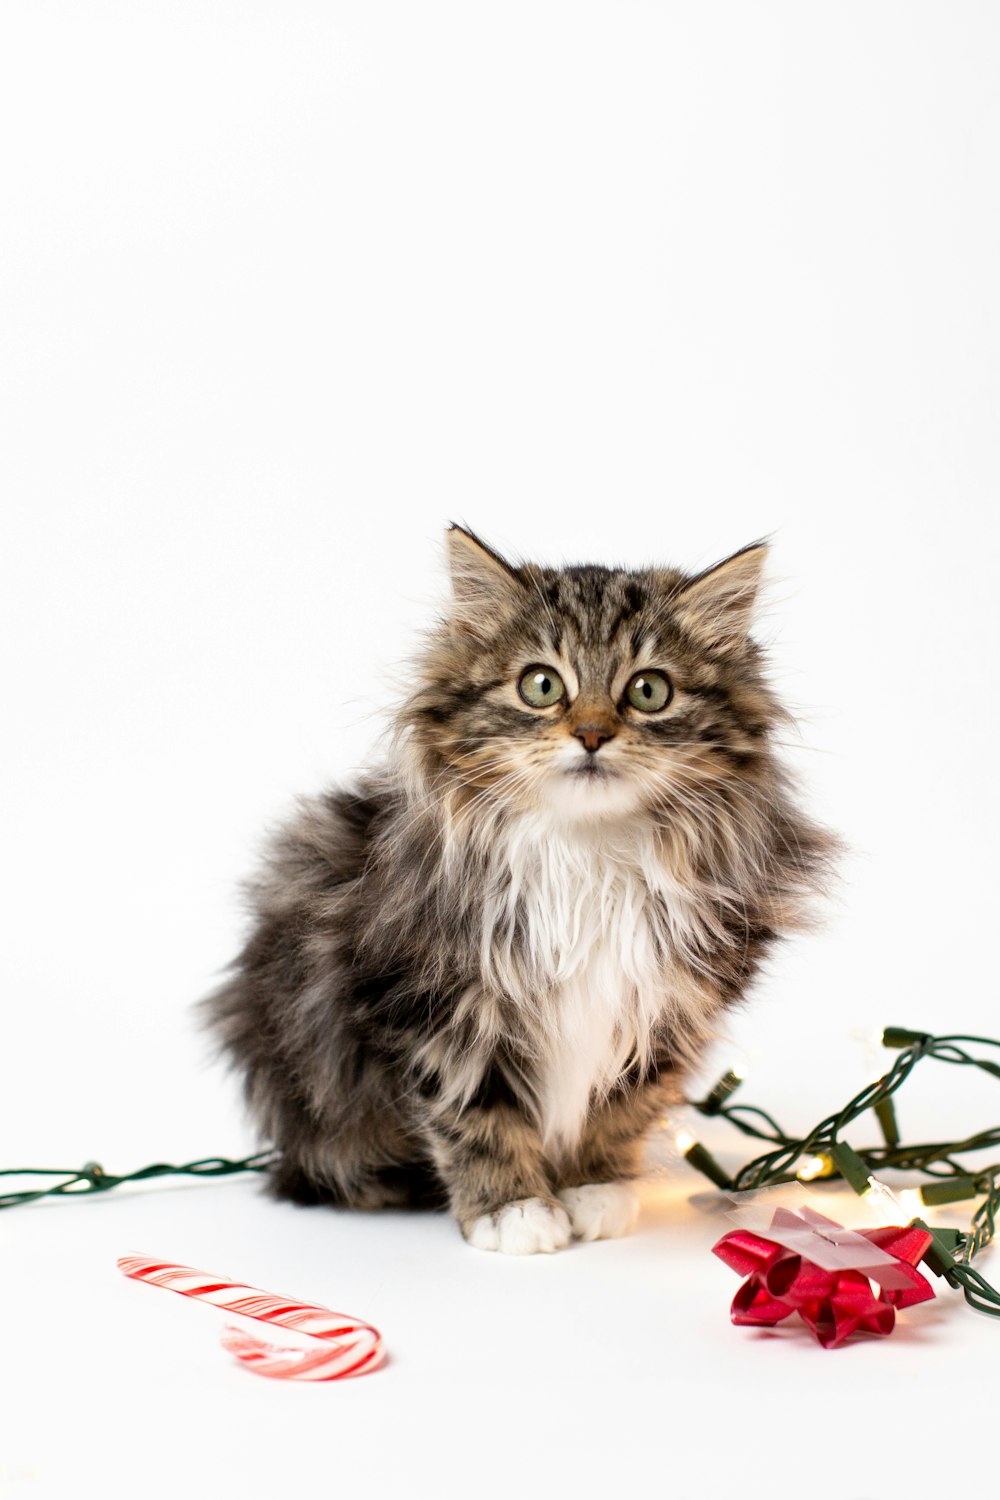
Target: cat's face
[{"x": 592, "y": 693}]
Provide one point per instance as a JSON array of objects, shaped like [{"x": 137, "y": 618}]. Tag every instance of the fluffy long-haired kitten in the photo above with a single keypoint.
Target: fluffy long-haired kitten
[{"x": 480, "y": 975}]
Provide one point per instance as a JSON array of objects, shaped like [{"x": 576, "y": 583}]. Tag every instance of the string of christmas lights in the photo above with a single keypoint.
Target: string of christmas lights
[
  {"x": 92, "y": 1178},
  {"x": 822, "y": 1153}
]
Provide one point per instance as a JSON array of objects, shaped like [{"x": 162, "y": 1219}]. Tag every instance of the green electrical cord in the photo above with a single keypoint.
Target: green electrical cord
[
  {"x": 92, "y": 1178},
  {"x": 951, "y": 1252}
]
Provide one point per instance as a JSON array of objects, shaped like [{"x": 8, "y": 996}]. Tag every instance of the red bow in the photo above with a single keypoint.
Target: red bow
[{"x": 834, "y": 1303}]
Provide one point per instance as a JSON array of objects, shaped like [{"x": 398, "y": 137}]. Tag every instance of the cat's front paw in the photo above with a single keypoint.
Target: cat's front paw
[
  {"x": 601, "y": 1210},
  {"x": 527, "y": 1227}
]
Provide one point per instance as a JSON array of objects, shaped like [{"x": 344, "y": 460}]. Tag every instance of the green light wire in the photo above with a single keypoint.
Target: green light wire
[
  {"x": 92, "y": 1178},
  {"x": 951, "y": 1253}
]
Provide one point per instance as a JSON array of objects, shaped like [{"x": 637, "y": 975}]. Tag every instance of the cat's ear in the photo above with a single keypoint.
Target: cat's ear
[
  {"x": 718, "y": 605},
  {"x": 484, "y": 587}
]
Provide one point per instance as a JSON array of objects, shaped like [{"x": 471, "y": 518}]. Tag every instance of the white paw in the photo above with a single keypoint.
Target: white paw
[
  {"x": 522, "y": 1228},
  {"x": 601, "y": 1210}
]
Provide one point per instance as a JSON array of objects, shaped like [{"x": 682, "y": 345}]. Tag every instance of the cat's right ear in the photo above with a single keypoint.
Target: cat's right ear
[{"x": 484, "y": 587}]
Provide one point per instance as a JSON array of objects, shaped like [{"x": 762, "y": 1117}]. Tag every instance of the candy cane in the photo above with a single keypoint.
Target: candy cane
[{"x": 350, "y": 1347}]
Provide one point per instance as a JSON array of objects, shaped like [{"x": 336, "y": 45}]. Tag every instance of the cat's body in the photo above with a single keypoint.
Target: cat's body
[{"x": 478, "y": 978}]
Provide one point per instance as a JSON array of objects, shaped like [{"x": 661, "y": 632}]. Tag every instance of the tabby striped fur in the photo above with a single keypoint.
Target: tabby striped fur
[{"x": 479, "y": 975}]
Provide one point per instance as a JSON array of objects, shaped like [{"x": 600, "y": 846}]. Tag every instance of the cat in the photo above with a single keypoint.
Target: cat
[{"x": 477, "y": 977}]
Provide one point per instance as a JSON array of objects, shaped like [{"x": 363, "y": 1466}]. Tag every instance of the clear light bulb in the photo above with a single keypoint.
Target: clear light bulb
[
  {"x": 912, "y": 1203},
  {"x": 884, "y": 1201}
]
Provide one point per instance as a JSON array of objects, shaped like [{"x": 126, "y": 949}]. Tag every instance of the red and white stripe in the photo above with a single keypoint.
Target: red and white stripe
[{"x": 345, "y": 1345}]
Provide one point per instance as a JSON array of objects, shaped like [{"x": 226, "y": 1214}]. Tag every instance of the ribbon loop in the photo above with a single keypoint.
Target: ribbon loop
[{"x": 835, "y": 1302}]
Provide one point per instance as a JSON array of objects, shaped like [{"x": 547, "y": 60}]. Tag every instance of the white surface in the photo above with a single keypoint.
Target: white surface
[
  {"x": 285, "y": 288},
  {"x": 606, "y": 1365}
]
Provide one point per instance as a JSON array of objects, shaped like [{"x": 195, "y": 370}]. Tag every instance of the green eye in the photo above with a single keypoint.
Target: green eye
[
  {"x": 649, "y": 691},
  {"x": 541, "y": 687}
]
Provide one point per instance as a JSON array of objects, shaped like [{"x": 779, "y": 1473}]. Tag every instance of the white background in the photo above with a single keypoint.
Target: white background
[{"x": 285, "y": 287}]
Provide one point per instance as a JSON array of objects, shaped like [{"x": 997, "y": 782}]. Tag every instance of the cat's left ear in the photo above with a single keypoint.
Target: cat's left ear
[
  {"x": 718, "y": 605},
  {"x": 484, "y": 586}
]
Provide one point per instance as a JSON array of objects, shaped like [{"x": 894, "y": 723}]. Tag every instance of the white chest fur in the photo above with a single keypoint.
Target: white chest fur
[{"x": 600, "y": 924}]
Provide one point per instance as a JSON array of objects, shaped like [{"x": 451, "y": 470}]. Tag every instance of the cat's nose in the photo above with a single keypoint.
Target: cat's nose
[{"x": 592, "y": 736}]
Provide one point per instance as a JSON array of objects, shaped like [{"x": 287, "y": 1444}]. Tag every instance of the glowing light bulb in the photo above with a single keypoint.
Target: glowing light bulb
[
  {"x": 739, "y": 1066},
  {"x": 813, "y": 1167},
  {"x": 912, "y": 1202},
  {"x": 876, "y": 1062},
  {"x": 684, "y": 1140},
  {"x": 884, "y": 1201}
]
